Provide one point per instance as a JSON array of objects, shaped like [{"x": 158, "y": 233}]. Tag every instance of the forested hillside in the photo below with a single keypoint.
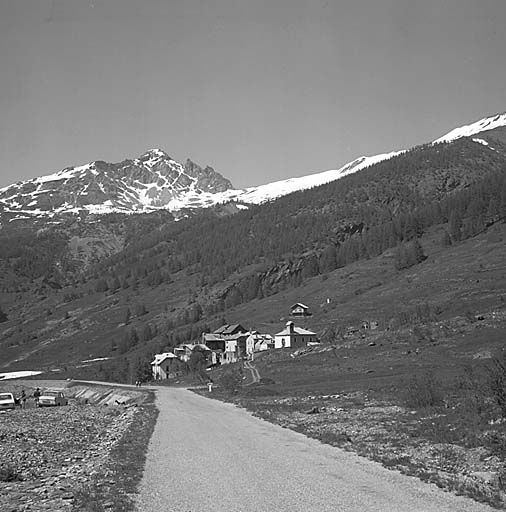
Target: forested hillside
[
  {"x": 316, "y": 231},
  {"x": 125, "y": 286}
]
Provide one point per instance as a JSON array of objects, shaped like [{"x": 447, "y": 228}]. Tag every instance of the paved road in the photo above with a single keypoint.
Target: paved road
[{"x": 207, "y": 456}]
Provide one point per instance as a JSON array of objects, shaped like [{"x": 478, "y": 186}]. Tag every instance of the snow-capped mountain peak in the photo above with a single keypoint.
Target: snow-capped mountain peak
[
  {"x": 270, "y": 191},
  {"x": 485, "y": 124},
  {"x": 155, "y": 181},
  {"x": 152, "y": 181}
]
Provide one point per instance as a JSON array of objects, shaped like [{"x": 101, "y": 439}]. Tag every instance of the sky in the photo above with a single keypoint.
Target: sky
[{"x": 261, "y": 90}]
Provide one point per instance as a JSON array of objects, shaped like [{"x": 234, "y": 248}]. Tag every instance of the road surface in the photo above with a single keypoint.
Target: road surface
[{"x": 207, "y": 456}]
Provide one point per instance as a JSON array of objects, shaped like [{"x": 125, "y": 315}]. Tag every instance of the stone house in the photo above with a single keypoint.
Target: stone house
[
  {"x": 228, "y": 343},
  {"x": 166, "y": 366},
  {"x": 256, "y": 342},
  {"x": 293, "y": 336}
]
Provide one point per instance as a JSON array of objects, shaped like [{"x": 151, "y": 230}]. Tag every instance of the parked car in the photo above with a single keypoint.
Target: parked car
[
  {"x": 7, "y": 401},
  {"x": 51, "y": 398}
]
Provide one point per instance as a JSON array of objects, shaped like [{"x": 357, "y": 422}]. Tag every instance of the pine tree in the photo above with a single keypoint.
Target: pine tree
[
  {"x": 328, "y": 261},
  {"x": 454, "y": 226},
  {"x": 126, "y": 316},
  {"x": 143, "y": 371},
  {"x": 101, "y": 286},
  {"x": 114, "y": 284},
  {"x": 310, "y": 268},
  {"x": 401, "y": 257},
  {"x": 416, "y": 252},
  {"x": 446, "y": 241}
]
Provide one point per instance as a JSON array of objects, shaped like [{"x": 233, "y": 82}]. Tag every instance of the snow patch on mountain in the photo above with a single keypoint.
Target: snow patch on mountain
[
  {"x": 155, "y": 181},
  {"x": 270, "y": 191},
  {"x": 148, "y": 183},
  {"x": 487, "y": 123}
]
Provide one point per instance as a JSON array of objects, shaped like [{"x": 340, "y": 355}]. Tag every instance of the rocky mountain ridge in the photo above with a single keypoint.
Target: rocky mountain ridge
[
  {"x": 152, "y": 181},
  {"x": 155, "y": 181}
]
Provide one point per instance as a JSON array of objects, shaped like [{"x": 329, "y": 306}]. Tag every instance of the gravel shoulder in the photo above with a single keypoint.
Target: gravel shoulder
[
  {"x": 83, "y": 456},
  {"x": 209, "y": 456}
]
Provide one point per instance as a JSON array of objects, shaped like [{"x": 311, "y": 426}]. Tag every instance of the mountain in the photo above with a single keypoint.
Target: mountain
[
  {"x": 270, "y": 191},
  {"x": 152, "y": 181},
  {"x": 121, "y": 286},
  {"x": 483, "y": 126},
  {"x": 155, "y": 181}
]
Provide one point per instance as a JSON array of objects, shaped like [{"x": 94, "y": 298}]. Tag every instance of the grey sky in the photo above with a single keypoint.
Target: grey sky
[{"x": 260, "y": 90}]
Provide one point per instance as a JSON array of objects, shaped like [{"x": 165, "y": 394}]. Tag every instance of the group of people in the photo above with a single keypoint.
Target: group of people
[
  {"x": 23, "y": 397},
  {"x": 138, "y": 383}
]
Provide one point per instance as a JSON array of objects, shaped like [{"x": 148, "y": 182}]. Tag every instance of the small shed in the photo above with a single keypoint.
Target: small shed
[{"x": 299, "y": 309}]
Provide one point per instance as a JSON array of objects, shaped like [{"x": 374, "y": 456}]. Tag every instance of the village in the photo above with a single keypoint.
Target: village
[{"x": 231, "y": 343}]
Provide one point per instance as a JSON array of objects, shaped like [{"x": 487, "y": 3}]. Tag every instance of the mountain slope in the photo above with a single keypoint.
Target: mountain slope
[
  {"x": 152, "y": 181},
  {"x": 155, "y": 181},
  {"x": 270, "y": 191},
  {"x": 483, "y": 125},
  {"x": 187, "y": 275}
]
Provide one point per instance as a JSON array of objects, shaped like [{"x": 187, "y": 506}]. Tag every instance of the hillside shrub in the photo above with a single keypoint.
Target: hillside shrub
[
  {"x": 231, "y": 381},
  {"x": 497, "y": 381},
  {"x": 423, "y": 390}
]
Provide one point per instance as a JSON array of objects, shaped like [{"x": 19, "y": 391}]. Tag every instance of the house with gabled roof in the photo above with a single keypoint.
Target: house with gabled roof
[
  {"x": 228, "y": 343},
  {"x": 298, "y": 309},
  {"x": 257, "y": 342},
  {"x": 166, "y": 366},
  {"x": 230, "y": 330},
  {"x": 293, "y": 336}
]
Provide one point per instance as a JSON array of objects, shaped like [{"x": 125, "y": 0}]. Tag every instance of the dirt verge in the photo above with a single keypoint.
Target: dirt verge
[{"x": 84, "y": 456}]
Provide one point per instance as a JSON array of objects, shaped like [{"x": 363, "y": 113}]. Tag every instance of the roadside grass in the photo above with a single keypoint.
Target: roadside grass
[{"x": 113, "y": 488}]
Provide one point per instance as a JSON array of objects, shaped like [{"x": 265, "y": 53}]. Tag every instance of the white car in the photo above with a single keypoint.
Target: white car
[
  {"x": 7, "y": 401},
  {"x": 51, "y": 398}
]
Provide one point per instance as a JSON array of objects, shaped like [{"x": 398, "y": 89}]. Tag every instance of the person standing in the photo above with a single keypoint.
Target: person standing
[
  {"x": 36, "y": 396},
  {"x": 22, "y": 399}
]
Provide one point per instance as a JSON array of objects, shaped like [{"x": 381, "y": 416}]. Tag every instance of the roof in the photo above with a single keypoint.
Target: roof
[
  {"x": 266, "y": 341},
  {"x": 299, "y": 304},
  {"x": 261, "y": 337},
  {"x": 190, "y": 346},
  {"x": 228, "y": 329},
  {"x": 201, "y": 346},
  {"x": 213, "y": 337},
  {"x": 296, "y": 330},
  {"x": 160, "y": 358}
]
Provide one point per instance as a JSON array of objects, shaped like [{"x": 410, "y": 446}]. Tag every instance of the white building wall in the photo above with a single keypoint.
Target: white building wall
[{"x": 282, "y": 341}]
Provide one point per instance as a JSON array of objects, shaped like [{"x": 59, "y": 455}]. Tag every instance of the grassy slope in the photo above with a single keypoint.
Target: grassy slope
[
  {"x": 467, "y": 276},
  {"x": 459, "y": 282}
]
